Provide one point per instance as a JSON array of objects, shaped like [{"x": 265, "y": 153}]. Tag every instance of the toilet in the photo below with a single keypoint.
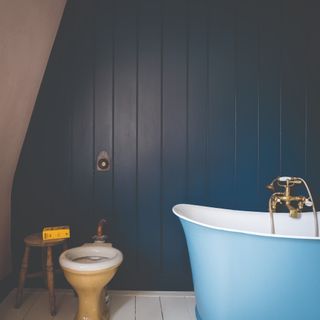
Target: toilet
[{"x": 89, "y": 269}]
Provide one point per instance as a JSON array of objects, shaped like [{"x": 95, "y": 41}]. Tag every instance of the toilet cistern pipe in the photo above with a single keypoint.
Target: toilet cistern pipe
[{"x": 100, "y": 236}]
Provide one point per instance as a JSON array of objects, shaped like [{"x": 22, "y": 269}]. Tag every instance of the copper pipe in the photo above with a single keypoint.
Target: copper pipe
[{"x": 100, "y": 227}]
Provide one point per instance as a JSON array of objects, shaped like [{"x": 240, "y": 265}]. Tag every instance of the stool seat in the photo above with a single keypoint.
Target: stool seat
[{"x": 35, "y": 240}]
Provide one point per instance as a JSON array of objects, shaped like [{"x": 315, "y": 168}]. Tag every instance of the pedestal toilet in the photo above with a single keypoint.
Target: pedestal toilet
[{"x": 89, "y": 269}]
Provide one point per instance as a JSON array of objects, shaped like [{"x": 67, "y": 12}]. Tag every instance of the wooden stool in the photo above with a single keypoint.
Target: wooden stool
[{"x": 35, "y": 240}]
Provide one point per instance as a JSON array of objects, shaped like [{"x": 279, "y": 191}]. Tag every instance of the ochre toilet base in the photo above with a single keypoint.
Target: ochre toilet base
[{"x": 90, "y": 287}]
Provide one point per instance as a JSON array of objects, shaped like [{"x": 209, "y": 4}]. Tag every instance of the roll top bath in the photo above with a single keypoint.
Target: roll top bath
[{"x": 242, "y": 271}]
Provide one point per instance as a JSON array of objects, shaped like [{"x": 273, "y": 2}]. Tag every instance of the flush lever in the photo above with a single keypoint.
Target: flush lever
[{"x": 103, "y": 161}]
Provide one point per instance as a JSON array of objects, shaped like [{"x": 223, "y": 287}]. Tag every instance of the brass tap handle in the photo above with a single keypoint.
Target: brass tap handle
[
  {"x": 308, "y": 202},
  {"x": 270, "y": 187},
  {"x": 300, "y": 205}
]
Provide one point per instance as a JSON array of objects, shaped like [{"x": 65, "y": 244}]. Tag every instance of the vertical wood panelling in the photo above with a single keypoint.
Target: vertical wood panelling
[
  {"x": 63, "y": 88},
  {"x": 293, "y": 90},
  {"x": 149, "y": 141},
  {"x": 58, "y": 87},
  {"x": 125, "y": 138},
  {"x": 269, "y": 96},
  {"x": 103, "y": 107},
  {"x": 82, "y": 124},
  {"x": 174, "y": 254},
  {"x": 221, "y": 111},
  {"x": 313, "y": 97},
  {"x": 247, "y": 117},
  {"x": 195, "y": 101}
]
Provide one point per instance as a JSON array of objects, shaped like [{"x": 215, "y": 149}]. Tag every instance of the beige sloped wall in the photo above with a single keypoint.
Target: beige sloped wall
[{"x": 27, "y": 32}]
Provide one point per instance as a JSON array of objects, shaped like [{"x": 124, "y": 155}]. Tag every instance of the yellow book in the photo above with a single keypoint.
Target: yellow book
[{"x": 52, "y": 233}]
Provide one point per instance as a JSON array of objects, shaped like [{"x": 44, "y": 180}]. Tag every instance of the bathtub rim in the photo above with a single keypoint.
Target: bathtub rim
[{"x": 260, "y": 234}]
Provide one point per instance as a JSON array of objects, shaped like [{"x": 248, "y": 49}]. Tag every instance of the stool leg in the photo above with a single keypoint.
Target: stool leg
[
  {"x": 22, "y": 276},
  {"x": 50, "y": 281}
]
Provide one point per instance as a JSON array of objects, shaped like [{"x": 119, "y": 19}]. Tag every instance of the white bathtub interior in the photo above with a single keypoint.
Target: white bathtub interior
[{"x": 248, "y": 221}]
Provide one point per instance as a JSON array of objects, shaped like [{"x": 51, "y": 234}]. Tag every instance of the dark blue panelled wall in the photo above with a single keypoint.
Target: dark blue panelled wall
[{"x": 195, "y": 101}]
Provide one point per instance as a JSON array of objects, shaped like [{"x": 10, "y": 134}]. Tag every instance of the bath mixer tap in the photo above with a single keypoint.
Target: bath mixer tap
[
  {"x": 295, "y": 204},
  {"x": 286, "y": 197}
]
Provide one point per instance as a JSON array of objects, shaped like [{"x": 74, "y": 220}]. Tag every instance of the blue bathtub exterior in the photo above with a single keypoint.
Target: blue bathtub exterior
[{"x": 241, "y": 276}]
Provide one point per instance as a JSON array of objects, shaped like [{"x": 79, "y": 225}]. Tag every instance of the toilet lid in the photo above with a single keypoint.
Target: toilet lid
[{"x": 90, "y": 258}]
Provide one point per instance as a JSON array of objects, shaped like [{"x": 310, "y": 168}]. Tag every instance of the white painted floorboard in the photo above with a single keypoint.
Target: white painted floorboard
[
  {"x": 175, "y": 309},
  {"x": 148, "y": 308},
  {"x": 124, "y": 305},
  {"x": 8, "y": 312},
  {"x": 66, "y": 306}
]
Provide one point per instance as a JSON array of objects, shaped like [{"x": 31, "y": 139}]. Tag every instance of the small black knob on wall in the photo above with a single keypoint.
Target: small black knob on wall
[
  {"x": 103, "y": 164},
  {"x": 103, "y": 161}
]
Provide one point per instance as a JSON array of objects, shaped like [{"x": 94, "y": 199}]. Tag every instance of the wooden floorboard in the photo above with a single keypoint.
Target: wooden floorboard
[
  {"x": 40, "y": 309},
  {"x": 175, "y": 308},
  {"x": 191, "y": 304},
  {"x": 67, "y": 308},
  {"x": 124, "y": 305},
  {"x": 148, "y": 308},
  {"x": 7, "y": 310}
]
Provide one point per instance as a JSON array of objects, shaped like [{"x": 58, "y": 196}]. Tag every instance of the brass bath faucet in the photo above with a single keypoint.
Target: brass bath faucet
[
  {"x": 286, "y": 197},
  {"x": 295, "y": 204}
]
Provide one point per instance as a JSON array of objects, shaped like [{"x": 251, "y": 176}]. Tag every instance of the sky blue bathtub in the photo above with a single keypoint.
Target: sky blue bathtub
[{"x": 242, "y": 272}]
